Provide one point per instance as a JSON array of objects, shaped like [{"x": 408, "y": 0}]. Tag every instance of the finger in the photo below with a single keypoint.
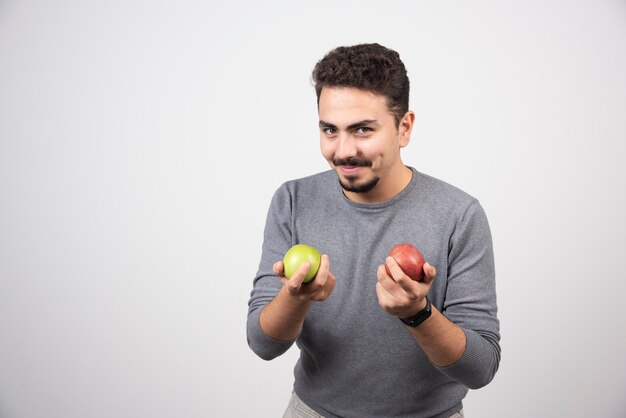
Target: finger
[
  {"x": 379, "y": 293},
  {"x": 429, "y": 273},
  {"x": 382, "y": 275},
  {"x": 405, "y": 282},
  {"x": 330, "y": 284},
  {"x": 296, "y": 279},
  {"x": 385, "y": 300},
  {"x": 382, "y": 294},
  {"x": 279, "y": 268},
  {"x": 332, "y": 280},
  {"x": 388, "y": 284},
  {"x": 315, "y": 288},
  {"x": 324, "y": 281},
  {"x": 394, "y": 268},
  {"x": 322, "y": 273},
  {"x": 408, "y": 285}
]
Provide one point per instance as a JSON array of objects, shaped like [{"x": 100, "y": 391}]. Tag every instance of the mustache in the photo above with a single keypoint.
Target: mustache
[{"x": 353, "y": 162}]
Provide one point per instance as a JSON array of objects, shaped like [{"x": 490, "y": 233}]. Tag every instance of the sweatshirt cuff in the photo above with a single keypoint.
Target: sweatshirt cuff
[
  {"x": 263, "y": 345},
  {"x": 471, "y": 369}
]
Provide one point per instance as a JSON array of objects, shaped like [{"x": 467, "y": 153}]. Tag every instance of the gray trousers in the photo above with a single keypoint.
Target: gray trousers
[{"x": 298, "y": 409}]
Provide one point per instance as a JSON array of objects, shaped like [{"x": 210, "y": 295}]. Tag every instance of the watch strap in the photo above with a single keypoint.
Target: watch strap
[{"x": 419, "y": 317}]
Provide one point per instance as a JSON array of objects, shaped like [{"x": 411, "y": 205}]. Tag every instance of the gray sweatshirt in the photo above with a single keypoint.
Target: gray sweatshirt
[{"x": 356, "y": 360}]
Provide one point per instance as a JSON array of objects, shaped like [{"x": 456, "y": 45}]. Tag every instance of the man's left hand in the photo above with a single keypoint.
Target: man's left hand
[{"x": 398, "y": 294}]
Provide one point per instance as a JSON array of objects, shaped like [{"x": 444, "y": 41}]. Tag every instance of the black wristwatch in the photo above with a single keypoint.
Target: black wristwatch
[{"x": 419, "y": 317}]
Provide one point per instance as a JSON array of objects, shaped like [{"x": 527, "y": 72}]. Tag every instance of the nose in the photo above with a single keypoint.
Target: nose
[{"x": 346, "y": 147}]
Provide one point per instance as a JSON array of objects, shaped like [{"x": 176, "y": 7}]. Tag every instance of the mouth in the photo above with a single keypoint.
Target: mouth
[{"x": 349, "y": 170}]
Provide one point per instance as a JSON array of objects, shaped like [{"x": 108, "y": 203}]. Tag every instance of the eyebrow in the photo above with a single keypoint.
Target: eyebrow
[{"x": 364, "y": 122}]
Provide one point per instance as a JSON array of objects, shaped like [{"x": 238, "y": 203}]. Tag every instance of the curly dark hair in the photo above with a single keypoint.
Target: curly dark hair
[{"x": 370, "y": 67}]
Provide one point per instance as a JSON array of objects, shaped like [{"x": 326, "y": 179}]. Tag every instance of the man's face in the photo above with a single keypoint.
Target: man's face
[{"x": 361, "y": 141}]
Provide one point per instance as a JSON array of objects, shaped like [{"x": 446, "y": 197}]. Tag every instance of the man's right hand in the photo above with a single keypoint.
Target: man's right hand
[
  {"x": 318, "y": 289},
  {"x": 283, "y": 317}
]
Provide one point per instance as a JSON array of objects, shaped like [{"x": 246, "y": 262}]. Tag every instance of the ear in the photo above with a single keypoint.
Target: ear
[{"x": 405, "y": 128}]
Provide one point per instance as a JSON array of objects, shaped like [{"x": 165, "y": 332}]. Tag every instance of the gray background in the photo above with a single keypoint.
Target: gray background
[{"x": 141, "y": 141}]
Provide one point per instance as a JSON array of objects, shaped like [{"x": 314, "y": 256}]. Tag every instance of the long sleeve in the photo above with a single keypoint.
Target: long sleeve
[
  {"x": 470, "y": 299},
  {"x": 277, "y": 240}
]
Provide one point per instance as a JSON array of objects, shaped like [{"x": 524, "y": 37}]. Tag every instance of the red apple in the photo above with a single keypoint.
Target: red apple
[{"x": 410, "y": 260}]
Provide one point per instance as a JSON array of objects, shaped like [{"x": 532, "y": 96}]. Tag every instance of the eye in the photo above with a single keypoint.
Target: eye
[
  {"x": 363, "y": 130},
  {"x": 329, "y": 131}
]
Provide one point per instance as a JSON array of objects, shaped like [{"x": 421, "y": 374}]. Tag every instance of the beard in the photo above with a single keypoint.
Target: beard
[{"x": 351, "y": 185}]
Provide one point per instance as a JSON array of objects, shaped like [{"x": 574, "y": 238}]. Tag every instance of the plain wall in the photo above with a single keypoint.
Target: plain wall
[{"x": 141, "y": 142}]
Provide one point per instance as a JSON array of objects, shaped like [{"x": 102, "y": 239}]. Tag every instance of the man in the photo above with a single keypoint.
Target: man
[{"x": 373, "y": 344}]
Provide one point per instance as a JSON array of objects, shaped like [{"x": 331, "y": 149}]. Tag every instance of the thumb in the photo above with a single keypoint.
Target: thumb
[{"x": 429, "y": 273}]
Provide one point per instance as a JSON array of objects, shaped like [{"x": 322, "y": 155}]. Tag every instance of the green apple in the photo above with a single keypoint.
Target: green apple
[{"x": 299, "y": 254}]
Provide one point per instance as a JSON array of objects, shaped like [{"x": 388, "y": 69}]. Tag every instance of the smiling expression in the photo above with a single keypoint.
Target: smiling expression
[{"x": 361, "y": 141}]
